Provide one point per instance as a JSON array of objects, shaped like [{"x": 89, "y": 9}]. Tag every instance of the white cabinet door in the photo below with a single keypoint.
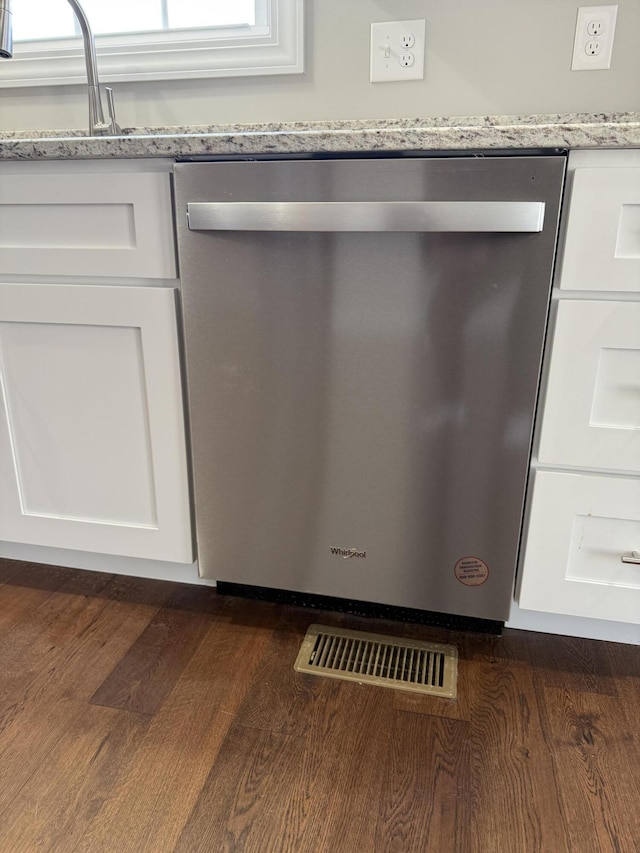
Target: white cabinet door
[
  {"x": 580, "y": 529},
  {"x": 591, "y": 415},
  {"x": 602, "y": 243},
  {"x": 92, "y": 443}
]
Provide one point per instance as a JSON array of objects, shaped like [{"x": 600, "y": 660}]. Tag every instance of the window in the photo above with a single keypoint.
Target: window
[
  {"x": 44, "y": 19},
  {"x": 155, "y": 40}
]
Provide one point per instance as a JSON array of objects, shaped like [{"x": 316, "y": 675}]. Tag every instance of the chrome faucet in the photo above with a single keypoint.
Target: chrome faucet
[{"x": 97, "y": 125}]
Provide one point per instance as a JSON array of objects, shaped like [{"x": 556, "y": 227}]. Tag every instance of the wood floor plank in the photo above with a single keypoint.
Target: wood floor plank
[
  {"x": 277, "y": 701},
  {"x": 144, "y": 591},
  {"x": 145, "y": 676},
  {"x": 596, "y": 769},
  {"x": 425, "y": 801},
  {"x": 34, "y": 575},
  {"x": 9, "y": 568},
  {"x": 38, "y": 643},
  {"x": 41, "y": 710},
  {"x": 435, "y": 706},
  {"x": 318, "y": 794},
  {"x": 574, "y": 663},
  {"x": 240, "y": 799},
  {"x": 91, "y": 747},
  {"x": 514, "y": 799},
  {"x": 24, "y": 588},
  {"x": 625, "y": 666},
  {"x": 343, "y": 767},
  {"x": 151, "y": 803}
]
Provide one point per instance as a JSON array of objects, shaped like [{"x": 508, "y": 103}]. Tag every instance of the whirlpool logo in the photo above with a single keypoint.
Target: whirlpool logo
[{"x": 347, "y": 553}]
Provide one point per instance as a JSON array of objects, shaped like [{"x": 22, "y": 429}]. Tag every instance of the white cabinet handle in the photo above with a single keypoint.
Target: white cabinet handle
[{"x": 634, "y": 558}]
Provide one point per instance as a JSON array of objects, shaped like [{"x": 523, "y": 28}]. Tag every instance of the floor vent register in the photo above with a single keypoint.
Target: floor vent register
[{"x": 412, "y": 665}]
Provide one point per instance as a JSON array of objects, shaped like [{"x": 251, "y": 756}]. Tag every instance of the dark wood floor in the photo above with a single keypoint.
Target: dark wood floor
[{"x": 147, "y": 716}]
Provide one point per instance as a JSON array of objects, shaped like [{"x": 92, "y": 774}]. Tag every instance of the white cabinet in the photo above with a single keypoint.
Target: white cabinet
[
  {"x": 592, "y": 404},
  {"x": 92, "y": 438},
  {"x": 583, "y": 515},
  {"x": 92, "y": 448},
  {"x": 602, "y": 242},
  {"x": 86, "y": 219},
  {"x": 580, "y": 528}
]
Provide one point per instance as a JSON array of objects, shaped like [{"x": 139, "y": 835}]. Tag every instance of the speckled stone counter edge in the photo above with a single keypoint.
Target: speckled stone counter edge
[{"x": 616, "y": 130}]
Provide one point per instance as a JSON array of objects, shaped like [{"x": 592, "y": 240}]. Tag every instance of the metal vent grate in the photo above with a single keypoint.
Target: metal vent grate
[{"x": 378, "y": 659}]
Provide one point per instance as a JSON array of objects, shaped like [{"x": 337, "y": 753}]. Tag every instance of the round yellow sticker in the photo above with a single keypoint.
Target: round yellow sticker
[{"x": 471, "y": 571}]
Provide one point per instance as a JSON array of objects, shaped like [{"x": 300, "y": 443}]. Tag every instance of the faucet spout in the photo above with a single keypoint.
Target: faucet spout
[{"x": 97, "y": 124}]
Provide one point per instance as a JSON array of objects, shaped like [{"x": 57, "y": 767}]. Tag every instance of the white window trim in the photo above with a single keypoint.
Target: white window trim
[{"x": 273, "y": 46}]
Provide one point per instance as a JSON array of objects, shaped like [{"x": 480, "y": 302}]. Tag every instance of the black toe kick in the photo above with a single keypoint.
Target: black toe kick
[{"x": 361, "y": 608}]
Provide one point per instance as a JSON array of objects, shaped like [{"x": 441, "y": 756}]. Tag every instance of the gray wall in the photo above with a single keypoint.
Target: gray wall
[{"x": 483, "y": 57}]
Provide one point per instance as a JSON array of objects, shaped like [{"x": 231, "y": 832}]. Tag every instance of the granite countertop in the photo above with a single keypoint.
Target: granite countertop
[{"x": 615, "y": 130}]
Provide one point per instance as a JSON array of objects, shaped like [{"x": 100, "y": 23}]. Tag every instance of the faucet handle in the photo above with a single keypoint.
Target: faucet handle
[{"x": 111, "y": 109}]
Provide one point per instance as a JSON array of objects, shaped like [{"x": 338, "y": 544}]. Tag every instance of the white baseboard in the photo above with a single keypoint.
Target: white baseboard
[
  {"x": 132, "y": 566},
  {"x": 573, "y": 626}
]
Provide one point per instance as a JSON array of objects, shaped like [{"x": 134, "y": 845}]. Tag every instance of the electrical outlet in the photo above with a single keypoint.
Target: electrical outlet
[
  {"x": 593, "y": 43},
  {"x": 397, "y": 50}
]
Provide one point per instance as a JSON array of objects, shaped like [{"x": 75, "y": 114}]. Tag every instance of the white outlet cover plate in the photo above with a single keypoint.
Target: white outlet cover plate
[
  {"x": 605, "y": 15},
  {"x": 387, "y": 50}
]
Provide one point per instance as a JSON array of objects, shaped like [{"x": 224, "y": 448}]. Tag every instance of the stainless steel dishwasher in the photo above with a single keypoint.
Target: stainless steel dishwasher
[{"x": 363, "y": 345}]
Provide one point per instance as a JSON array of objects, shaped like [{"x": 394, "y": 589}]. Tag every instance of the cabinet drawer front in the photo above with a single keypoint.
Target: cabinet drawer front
[
  {"x": 580, "y": 528},
  {"x": 591, "y": 416},
  {"x": 73, "y": 223},
  {"x": 602, "y": 244}
]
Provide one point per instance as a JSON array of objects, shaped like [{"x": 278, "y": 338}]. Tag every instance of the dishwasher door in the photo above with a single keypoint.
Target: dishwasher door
[{"x": 363, "y": 344}]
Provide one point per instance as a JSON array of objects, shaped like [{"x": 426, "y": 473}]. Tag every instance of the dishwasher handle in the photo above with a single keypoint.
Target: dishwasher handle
[{"x": 455, "y": 216}]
